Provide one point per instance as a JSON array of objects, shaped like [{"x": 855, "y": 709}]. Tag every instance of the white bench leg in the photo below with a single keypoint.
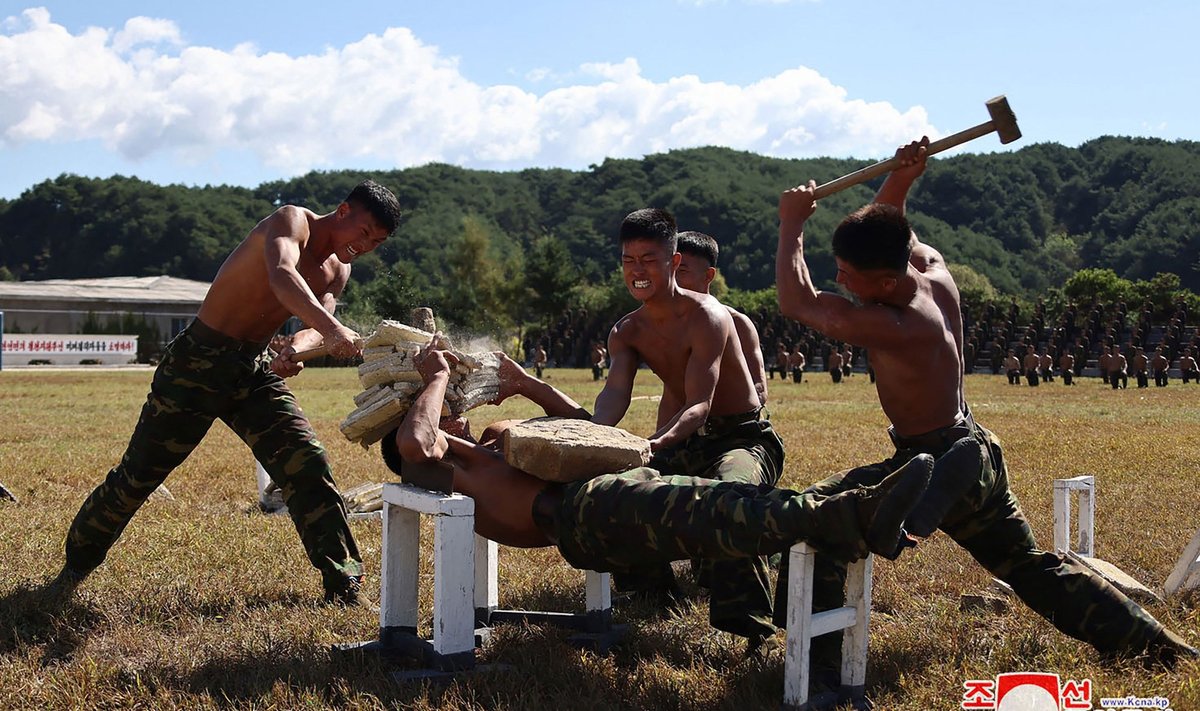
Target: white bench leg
[
  {"x": 454, "y": 584},
  {"x": 487, "y": 575},
  {"x": 799, "y": 626},
  {"x": 803, "y": 625},
  {"x": 854, "y": 639},
  {"x": 1085, "y": 488},
  {"x": 400, "y": 568},
  {"x": 598, "y": 595}
]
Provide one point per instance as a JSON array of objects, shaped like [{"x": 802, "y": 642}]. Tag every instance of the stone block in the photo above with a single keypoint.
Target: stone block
[
  {"x": 565, "y": 449},
  {"x": 1118, "y": 578}
]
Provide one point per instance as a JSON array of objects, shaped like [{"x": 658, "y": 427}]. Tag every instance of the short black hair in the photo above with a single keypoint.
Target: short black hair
[
  {"x": 698, "y": 244},
  {"x": 391, "y": 451},
  {"x": 379, "y": 201},
  {"x": 650, "y": 223},
  {"x": 877, "y": 236}
]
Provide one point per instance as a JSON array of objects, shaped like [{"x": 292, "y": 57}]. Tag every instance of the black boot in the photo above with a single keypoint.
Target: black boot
[
  {"x": 954, "y": 473},
  {"x": 885, "y": 506},
  {"x": 1168, "y": 649},
  {"x": 346, "y": 592}
]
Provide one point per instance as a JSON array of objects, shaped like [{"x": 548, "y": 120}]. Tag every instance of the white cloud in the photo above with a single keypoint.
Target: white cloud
[{"x": 392, "y": 99}]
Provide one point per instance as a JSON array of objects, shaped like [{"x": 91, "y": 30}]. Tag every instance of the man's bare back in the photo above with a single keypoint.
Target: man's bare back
[{"x": 919, "y": 379}]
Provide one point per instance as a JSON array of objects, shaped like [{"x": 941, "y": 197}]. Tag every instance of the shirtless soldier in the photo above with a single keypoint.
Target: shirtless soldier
[
  {"x": 908, "y": 316},
  {"x": 294, "y": 262},
  {"x": 1160, "y": 364},
  {"x": 718, "y": 431},
  {"x": 797, "y": 362},
  {"x": 698, "y": 254},
  {"x": 1012, "y": 365}
]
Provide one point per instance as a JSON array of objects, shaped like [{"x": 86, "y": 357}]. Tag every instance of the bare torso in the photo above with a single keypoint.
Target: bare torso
[
  {"x": 920, "y": 381},
  {"x": 240, "y": 303},
  {"x": 665, "y": 344},
  {"x": 481, "y": 473}
]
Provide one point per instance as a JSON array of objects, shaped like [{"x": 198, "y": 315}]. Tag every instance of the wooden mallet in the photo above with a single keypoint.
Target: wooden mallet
[{"x": 1003, "y": 122}]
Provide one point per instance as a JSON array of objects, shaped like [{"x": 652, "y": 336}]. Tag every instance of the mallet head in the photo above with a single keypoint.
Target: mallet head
[{"x": 1003, "y": 119}]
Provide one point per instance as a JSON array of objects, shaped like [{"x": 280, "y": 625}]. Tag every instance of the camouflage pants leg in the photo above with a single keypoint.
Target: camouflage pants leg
[
  {"x": 178, "y": 412},
  {"x": 619, "y": 522},
  {"x": 266, "y": 417},
  {"x": 193, "y": 385},
  {"x": 989, "y": 524},
  {"x": 740, "y": 589},
  {"x": 1075, "y": 600}
]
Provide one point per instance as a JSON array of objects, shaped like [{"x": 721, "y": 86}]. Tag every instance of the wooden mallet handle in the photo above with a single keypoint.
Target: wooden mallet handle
[{"x": 1003, "y": 122}]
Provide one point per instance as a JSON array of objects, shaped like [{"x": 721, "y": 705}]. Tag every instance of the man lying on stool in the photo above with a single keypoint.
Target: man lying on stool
[{"x": 616, "y": 521}]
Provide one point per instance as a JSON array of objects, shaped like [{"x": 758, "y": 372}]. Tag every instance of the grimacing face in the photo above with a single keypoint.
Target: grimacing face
[
  {"x": 356, "y": 233},
  {"x": 647, "y": 267}
]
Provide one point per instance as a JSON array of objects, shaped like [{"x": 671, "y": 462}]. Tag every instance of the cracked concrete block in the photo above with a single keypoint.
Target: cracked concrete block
[{"x": 565, "y": 449}]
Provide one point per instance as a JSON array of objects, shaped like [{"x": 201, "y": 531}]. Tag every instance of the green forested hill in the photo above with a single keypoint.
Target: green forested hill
[{"x": 1025, "y": 220}]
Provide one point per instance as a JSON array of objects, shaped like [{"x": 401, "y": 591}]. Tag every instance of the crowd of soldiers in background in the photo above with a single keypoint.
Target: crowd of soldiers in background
[
  {"x": 1105, "y": 342},
  {"x": 1095, "y": 340}
]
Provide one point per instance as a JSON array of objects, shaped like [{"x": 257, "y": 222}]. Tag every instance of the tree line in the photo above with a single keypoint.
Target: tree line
[{"x": 490, "y": 251}]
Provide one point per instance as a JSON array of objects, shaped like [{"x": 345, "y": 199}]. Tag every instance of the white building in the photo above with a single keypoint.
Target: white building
[{"x": 67, "y": 306}]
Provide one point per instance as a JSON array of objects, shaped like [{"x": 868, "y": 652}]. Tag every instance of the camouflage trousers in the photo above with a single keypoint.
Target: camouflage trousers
[
  {"x": 621, "y": 522},
  {"x": 987, "y": 521},
  {"x": 203, "y": 376},
  {"x": 739, "y": 448}
]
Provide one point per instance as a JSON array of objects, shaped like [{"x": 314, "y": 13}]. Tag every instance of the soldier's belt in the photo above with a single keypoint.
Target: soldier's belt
[{"x": 202, "y": 333}]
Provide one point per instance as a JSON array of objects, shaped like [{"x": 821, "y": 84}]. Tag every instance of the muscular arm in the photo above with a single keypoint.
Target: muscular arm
[
  {"x": 286, "y": 232},
  {"x": 613, "y": 400},
  {"x": 308, "y": 338},
  {"x": 708, "y": 333},
  {"x": 894, "y": 192},
  {"x": 869, "y": 325},
  {"x": 419, "y": 438}
]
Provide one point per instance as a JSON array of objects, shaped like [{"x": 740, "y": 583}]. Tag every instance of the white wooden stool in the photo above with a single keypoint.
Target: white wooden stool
[
  {"x": 465, "y": 584},
  {"x": 803, "y": 625},
  {"x": 595, "y": 627},
  {"x": 453, "y": 643},
  {"x": 1084, "y": 490}
]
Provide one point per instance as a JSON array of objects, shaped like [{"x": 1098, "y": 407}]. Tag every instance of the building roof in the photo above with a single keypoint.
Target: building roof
[{"x": 155, "y": 289}]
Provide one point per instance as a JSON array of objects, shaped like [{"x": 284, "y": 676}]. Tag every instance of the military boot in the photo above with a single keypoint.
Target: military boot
[{"x": 883, "y": 508}]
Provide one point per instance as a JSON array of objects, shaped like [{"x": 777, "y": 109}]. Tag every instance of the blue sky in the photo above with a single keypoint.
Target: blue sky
[{"x": 221, "y": 92}]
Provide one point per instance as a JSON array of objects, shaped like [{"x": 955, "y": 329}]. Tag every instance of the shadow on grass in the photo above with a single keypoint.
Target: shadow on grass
[{"x": 40, "y": 615}]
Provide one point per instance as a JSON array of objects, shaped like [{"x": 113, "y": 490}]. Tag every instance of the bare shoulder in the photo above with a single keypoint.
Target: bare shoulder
[
  {"x": 705, "y": 311},
  {"x": 288, "y": 219},
  {"x": 626, "y": 328},
  {"x": 741, "y": 320}
]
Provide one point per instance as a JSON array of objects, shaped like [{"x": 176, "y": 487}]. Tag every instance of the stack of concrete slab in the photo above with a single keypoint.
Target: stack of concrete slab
[{"x": 391, "y": 381}]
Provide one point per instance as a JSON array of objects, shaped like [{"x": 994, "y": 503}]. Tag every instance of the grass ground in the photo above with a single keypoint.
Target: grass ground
[{"x": 205, "y": 603}]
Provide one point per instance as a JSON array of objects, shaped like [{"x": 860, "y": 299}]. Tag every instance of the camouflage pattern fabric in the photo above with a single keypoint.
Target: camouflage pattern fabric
[
  {"x": 742, "y": 449},
  {"x": 195, "y": 383},
  {"x": 987, "y": 521},
  {"x": 619, "y": 522}
]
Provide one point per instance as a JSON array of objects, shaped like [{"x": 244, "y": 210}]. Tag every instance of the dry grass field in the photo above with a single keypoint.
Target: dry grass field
[{"x": 206, "y": 603}]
